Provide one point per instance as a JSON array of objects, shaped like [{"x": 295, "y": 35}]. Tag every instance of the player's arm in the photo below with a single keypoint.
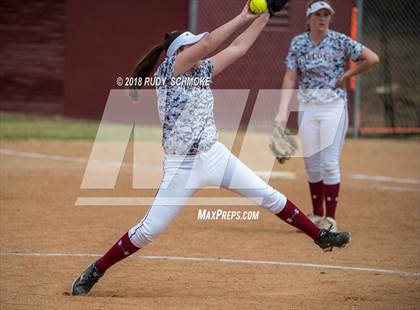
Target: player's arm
[
  {"x": 289, "y": 82},
  {"x": 239, "y": 47},
  {"x": 367, "y": 60},
  {"x": 190, "y": 56}
]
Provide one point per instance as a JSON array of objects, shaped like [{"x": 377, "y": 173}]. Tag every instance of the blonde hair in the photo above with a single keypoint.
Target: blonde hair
[{"x": 308, "y": 28}]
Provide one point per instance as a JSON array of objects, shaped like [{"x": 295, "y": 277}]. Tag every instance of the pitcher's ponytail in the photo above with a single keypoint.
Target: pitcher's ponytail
[{"x": 146, "y": 65}]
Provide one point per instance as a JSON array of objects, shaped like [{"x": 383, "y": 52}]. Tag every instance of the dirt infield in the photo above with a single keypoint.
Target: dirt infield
[{"x": 46, "y": 240}]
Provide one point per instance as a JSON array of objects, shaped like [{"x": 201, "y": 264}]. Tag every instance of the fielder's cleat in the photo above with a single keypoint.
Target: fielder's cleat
[
  {"x": 316, "y": 219},
  {"x": 328, "y": 239},
  {"x": 83, "y": 283},
  {"x": 326, "y": 223}
]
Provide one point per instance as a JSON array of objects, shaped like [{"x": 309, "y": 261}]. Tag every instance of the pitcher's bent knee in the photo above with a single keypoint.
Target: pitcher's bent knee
[
  {"x": 275, "y": 202},
  {"x": 145, "y": 232}
]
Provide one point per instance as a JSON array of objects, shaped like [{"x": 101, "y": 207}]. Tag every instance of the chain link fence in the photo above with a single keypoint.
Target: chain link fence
[
  {"x": 263, "y": 67},
  {"x": 390, "y": 96}
]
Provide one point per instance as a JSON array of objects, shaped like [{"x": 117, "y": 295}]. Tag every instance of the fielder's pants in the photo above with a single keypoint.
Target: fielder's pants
[
  {"x": 322, "y": 130},
  {"x": 184, "y": 175}
]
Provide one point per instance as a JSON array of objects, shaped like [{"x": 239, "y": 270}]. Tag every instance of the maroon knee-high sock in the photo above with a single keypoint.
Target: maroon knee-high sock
[
  {"x": 331, "y": 198},
  {"x": 295, "y": 217},
  {"x": 316, "y": 190},
  {"x": 120, "y": 250}
]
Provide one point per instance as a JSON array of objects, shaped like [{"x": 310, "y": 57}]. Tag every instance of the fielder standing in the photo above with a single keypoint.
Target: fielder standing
[
  {"x": 193, "y": 156},
  {"x": 317, "y": 60}
]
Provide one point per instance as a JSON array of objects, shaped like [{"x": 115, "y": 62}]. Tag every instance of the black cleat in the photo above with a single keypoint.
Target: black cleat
[
  {"x": 328, "y": 239},
  {"x": 83, "y": 283}
]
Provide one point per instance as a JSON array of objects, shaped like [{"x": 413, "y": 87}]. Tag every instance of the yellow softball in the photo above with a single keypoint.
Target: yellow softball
[{"x": 258, "y": 6}]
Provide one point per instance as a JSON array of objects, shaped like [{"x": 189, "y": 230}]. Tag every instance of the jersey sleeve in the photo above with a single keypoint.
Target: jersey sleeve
[
  {"x": 352, "y": 48},
  {"x": 208, "y": 68},
  {"x": 291, "y": 59},
  {"x": 166, "y": 69}
]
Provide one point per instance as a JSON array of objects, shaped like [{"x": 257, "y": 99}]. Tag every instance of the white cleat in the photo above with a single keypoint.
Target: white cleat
[
  {"x": 316, "y": 219},
  {"x": 326, "y": 223}
]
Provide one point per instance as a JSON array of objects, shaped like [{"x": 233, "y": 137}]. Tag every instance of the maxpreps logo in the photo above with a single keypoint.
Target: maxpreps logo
[
  {"x": 126, "y": 123},
  {"x": 219, "y": 214}
]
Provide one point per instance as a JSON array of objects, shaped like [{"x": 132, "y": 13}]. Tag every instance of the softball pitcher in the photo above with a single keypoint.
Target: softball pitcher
[
  {"x": 317, "y": 58},
  {"x": 193, "y": 156}
]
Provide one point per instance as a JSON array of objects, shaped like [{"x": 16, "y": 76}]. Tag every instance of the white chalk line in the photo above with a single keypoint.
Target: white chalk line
[
  {"x": 381, "y": 178},
  {"x": 76, "y": 159},
  {"x": 398, "y": 189},
  {"x": 284, "y": 175},
  {"x": 148, "y": 201},
  {"x": 287, "y": 175},
  {"x": 227, "y": 261}
]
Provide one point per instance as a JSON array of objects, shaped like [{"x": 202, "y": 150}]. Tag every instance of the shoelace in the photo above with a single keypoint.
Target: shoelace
[
  {"x": 326, "y": 232},
  {"x": 329, "y": 229}
]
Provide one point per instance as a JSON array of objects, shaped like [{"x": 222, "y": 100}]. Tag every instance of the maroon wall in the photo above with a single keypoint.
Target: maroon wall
[
  {"x": 32, "y": 55},
  {"x": 263, "y": 65},
  {"x": 81, "y": 47},
  {"x": 104, "y": 39}
]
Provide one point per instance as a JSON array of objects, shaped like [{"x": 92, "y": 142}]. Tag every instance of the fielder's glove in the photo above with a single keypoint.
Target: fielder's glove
[
  {"x": 282, "y": 144},
  {"x": 275, "y": 6}
]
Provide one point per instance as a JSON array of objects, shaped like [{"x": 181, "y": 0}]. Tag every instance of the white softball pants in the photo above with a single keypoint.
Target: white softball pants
[
  {"x": 322, "y": 130},
  {"x": 184, "y": 175}
]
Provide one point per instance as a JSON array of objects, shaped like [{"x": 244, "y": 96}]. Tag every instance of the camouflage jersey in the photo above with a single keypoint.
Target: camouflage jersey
[
  {"x": 321, "y": 66},
  {"x": 186, "y": 109}
]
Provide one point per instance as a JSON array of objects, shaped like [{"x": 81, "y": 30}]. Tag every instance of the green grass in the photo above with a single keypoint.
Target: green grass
[
  {"x": 20, "y": 126},
  {"x": 14, "y": 126},
  {"x": 17, "y": 126}
]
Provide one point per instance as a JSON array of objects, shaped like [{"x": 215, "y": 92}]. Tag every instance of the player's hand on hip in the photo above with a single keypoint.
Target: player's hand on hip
[{"x": 342, "y": 81}]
